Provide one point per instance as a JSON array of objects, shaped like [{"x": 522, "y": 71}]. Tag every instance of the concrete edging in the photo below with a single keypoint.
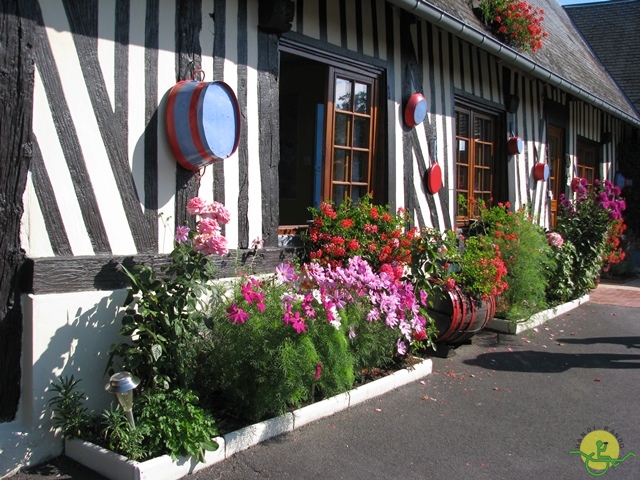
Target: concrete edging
[
  {"x": 117, "y": 467},
  {"x": 515, "y": 328}
]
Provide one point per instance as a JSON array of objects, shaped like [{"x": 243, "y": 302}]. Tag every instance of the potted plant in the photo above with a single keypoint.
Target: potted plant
[
  {"x": 463, "y": 275},
  {"x": 514, "y": 22}
]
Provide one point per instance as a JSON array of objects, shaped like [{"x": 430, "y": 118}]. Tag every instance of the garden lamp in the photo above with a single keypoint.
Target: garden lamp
[{"x": 123, "y": 384}]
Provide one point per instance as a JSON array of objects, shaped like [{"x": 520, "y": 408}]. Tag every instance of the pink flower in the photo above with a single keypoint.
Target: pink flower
[
  {"x": 215, "y": 245},
  {"x": 217, "y": 211},
  {"x": 299, "y": 326},
  {"x": 182, "y": 234},
  {"x": 208, "y": 226},
  {"x": 318, "y": 370},
  {"x": 257, "y": 243},
  {"x": 401, "y": 347},
  {"x": 237, "y": 314},
  {"x": 450, "y": 284},
  {"x": 196, "y": 205},
  {"x": 555, "y": 239}
]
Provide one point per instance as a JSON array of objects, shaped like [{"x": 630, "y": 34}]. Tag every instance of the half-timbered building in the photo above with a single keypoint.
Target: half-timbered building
[{"x": 322, "y": 90}]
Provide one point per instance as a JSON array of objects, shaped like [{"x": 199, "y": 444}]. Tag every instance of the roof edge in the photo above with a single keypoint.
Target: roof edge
[{"x": 476, "y": 37}]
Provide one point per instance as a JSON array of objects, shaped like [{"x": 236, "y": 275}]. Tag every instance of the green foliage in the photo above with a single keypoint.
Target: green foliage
[
  {"x": 262, "y": 366},
  {"x": 69, "y": 413},
  {"x": 560, "y": 274},
  {"x": 527, "y": 256},
  {"x": 118, "y": 435},
  {"x": 163, "y": 317},
  {"x": 373, "y": 345},
  {"x": 474, "y": 263},
  {"x": 587, "y": 221},
  {"x": 335, "y": 370},
  {"x": 174, "y": 423}
]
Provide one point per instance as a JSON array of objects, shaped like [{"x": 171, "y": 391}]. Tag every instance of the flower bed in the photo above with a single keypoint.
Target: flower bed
[{"x": 118, "y": 467}]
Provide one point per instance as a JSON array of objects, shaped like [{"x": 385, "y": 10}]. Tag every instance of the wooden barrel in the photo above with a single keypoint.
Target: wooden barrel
[
  {"x": 458, "y": 316},
  {"x": 203, "y": 122}
]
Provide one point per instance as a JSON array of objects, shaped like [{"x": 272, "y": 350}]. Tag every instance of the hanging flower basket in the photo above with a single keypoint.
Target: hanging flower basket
[{"x": 515, "y": 22}]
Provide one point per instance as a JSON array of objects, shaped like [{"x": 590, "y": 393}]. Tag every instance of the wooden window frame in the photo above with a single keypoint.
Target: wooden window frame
[
  {"x": 329, "y": 177},
  {"x": 476, "y": 111}
]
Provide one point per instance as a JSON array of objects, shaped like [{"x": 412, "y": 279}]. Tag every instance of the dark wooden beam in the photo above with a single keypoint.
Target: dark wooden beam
[
  {"x": 17, "y": 38},
  {"x": 78, "y": 274}
]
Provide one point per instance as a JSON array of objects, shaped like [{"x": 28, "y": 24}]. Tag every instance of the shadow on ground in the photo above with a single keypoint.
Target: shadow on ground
[{"x": 547, "y": 362}]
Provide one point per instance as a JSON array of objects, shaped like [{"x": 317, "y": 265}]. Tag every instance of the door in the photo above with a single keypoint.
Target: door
[{"x": 557, "y": 168}]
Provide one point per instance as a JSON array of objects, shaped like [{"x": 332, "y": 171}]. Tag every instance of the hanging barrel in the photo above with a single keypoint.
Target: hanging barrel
[
  {"x": 457, "y": 316},
  {"x": 203, "y": 122}
]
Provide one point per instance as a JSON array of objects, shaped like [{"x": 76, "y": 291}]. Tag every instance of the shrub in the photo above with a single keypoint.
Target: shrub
[
  {"x": 360, "y": 230},
  {"x": 588, "y": 221},
  {"x": 279, "y": 340},
  {"x": 165, "y": 313},
  {"x": 526, "y": 254}
]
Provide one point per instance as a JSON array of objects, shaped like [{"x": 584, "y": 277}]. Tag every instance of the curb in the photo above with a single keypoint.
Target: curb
[
  {"x": 514, "y": 328},
  {"x": 118, "y": 467}
]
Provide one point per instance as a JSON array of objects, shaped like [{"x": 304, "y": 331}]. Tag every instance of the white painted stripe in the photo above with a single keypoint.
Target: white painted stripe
[
  {"x": 333, "y": 22},
  {"x": 352, "y": 31},
  {"x": 166, "y": 160},
  {"x": 421, "y": 193},
  {"x": 396, "y": 172},
  {"x": 367, "y": 29},
  {"x": 75, "y": 92},
  {"x": 207, "y": 38},
  {"x": 253, "y": 131},
  {"x": 136, "y": 100},
  {"x": 231, "y": 173},
  {"x": 106, "y": 46},
  {"x": 34, "y": 238},
  {"x": 58, "y": 171},
  {"x": 207, "y": 35},
  {"x": 310, "y": 18}
]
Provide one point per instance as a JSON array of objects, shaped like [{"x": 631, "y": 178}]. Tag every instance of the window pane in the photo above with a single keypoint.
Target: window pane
[
  {"x": 462, "y": 124},
  {"x": 360, "y": 169},
  {"x": 361, "y": 98},
  {"x": 340, "y": 165},
  {"x": 341, "y": 136},
  {"x": 343, "y": 94},
  {"x": 339, "y": 194},
  {"x": 482, "y": 129},
  {"x": 361, "y": 132},
  {"x": 358, "y": 192},
  {"x": 463, "y": 179},
  {"x": 463, "y": 154}
]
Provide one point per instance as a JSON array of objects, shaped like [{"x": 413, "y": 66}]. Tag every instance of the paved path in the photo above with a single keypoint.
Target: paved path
[{"x": 504, "y": 407}]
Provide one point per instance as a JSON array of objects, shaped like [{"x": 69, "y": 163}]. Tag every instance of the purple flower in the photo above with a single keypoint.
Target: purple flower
[
  {"x": 401, "y": 348},
  {"x": 182, "y": 234},
  {"x": 423, "y": 298},
  {"x": 285, "y": 273}
]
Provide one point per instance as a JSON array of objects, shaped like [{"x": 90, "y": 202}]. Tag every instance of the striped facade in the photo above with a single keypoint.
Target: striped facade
[{"x": 104, "y": 182}]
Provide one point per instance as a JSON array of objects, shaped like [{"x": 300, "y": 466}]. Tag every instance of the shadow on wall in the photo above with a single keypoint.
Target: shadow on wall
[{"x": 59, "y": 341}]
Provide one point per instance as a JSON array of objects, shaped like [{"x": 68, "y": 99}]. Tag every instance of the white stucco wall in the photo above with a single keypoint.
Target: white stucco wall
[{"x": 63, "y": 335}]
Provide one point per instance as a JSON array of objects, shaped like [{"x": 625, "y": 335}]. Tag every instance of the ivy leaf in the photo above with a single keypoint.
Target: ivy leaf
[{"x": 156, "y": 351}]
